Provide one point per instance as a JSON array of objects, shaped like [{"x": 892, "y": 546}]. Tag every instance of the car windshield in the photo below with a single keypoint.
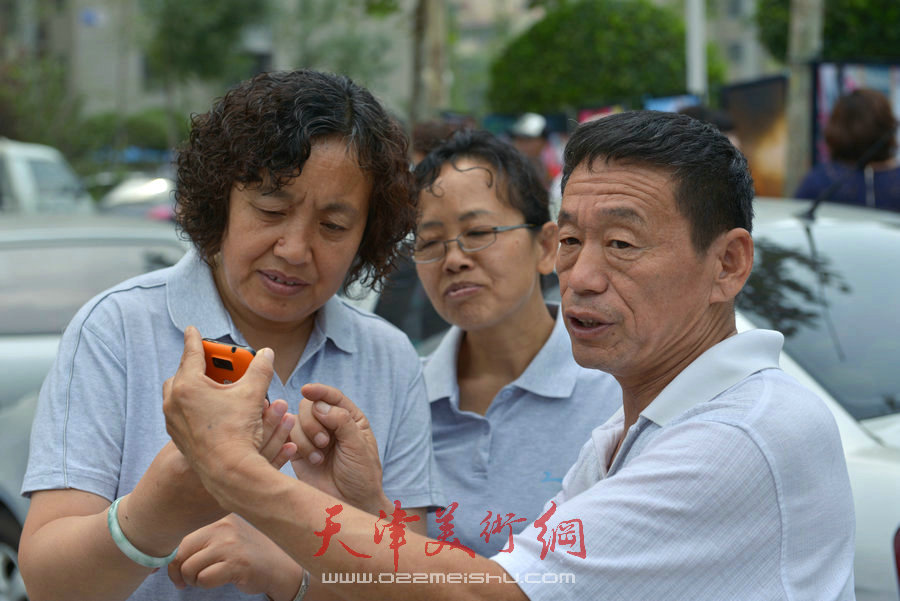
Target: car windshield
[
  {"x": 43, "y": 286},
  {"x": 832, "y": 290},
  {"x": 57, "y": 186}
]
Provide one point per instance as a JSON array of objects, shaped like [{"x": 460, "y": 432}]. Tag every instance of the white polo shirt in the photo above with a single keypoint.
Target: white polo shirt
[{"x": 731, "y": 485}]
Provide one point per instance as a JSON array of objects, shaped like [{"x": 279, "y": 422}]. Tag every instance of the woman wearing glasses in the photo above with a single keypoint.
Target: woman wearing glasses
[{"x": 510, "y": 407}]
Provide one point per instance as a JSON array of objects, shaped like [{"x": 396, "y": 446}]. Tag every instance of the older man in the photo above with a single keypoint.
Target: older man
[{"x": 721, "y": 478}]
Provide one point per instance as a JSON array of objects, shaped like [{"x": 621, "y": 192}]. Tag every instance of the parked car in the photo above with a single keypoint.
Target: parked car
[
  {"x": 142, "y": 195},
  {"x": 49, "y": 267},
  {"x": 831, "y": 285},
  {"x": 35, "y": 178}
]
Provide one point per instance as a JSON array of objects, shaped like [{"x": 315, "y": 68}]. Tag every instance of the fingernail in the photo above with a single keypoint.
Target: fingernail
[
  {"x": 267, "y": 353},
  {"x": 321, "y": 439},
  {"x": 279, "y": 409},
  {"x": 315, "y": 457},
  {"x": 322, "y": 407}
]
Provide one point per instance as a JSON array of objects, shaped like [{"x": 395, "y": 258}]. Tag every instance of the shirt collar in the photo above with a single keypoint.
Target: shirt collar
[
  {"x": 193, "y": 299},
  {"x": 440, "y": 368},
  {"x": 553, "y": 372},
  {"x": 545, "y": 376},
  {"x": 715, "y": 371},
  {"x": 335, "y": 321}
]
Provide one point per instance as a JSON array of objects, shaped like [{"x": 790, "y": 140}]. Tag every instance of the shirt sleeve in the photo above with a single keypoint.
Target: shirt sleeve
[
  {"x": 79, "y": 424},
  {"x": 694, "y": 516}
]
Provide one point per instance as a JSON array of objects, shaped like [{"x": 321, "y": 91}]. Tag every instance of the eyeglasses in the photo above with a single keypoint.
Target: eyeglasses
[{"x": 470, "y": 241}]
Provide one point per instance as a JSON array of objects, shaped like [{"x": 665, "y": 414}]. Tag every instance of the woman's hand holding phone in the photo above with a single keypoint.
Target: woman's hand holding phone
[{"x": 336, "y": 450}]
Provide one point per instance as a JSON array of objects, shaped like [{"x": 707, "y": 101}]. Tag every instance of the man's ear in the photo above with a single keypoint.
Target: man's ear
[
  {"x": 733, "y": 263},
  {"x": 549, "y": 242}
]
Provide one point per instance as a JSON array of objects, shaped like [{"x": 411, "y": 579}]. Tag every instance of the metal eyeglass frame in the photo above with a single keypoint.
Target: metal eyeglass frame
[{"x": 496, "y": 229}]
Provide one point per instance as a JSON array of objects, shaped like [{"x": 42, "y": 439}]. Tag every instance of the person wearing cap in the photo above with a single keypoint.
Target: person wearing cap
[{"x": 529, "y": 135}]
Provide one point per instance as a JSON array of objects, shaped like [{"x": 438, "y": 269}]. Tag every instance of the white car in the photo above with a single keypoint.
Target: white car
[
  {"x": 49, "y": 267},
  {"x": 141, "y": 195},
  {"x": 35, "y": 178}
]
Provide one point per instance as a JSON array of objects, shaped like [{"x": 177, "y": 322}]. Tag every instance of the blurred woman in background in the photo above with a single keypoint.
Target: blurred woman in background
[
  {"x": 862, "y": 139},
  {"x": 507, "y": 398}
]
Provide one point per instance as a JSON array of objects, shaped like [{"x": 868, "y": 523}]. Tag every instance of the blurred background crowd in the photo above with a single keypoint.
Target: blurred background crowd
[{"x": 112, "y": 83}]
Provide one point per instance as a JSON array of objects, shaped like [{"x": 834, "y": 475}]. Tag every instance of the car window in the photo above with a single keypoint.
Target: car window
[
  {"x": 56, "y": 185},
  {"x": 833, "y": 293},
  {"x": 42, "y": 287}
]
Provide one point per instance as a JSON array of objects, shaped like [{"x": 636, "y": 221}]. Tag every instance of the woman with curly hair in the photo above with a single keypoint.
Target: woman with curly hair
[{"x": 293, "y": 185}]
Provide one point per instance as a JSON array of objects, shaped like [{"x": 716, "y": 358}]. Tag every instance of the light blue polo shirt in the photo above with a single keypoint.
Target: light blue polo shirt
[
  {"x": 99, "y": 420},
  {"x": 730, "y": 485},
  {"x": 513, "y": 458}
]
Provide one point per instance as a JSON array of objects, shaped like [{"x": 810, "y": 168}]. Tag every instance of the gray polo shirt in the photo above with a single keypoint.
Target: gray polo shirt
[
  {"x": 731, "y": 485},
  {"x": 512, "y": 459},
  {"x": 99, "y": 420}
]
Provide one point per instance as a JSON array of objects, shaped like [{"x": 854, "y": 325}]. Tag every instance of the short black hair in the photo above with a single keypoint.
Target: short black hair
[
  {"x": 261, "y": 134},
  {"x": 518, "y": 181},
  {"x": 713, "y": 186},
  {"x": 722, "y": 120}
]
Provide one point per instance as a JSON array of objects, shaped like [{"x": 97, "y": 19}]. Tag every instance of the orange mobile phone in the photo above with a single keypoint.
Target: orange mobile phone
[{"x": 226, "y": 363}]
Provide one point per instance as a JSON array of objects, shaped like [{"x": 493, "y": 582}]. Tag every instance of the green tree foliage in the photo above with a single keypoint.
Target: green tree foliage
[
  {"x": 865, "y": 30},
  {"x": 197, "y": 38},
  {"x": 145, "y": 129},
  {"x": 381, "y": 8},
  {"x": 34, "y": 106},
  {"x": 338, "y": 37},
  {"x": 591, "y": 53},
  {"x": 547, "y": 4}
]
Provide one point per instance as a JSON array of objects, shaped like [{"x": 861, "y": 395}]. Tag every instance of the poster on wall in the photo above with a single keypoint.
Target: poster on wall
[
  {"x": 758, "y": 109},
  {"x": 834, "y": 79}
]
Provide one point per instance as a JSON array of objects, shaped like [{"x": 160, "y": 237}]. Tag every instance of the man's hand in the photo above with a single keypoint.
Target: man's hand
[
  {"x": 233, "y": 551},
  {"x": 218, "y": 424},
  {"x": 337, "y": 452}
]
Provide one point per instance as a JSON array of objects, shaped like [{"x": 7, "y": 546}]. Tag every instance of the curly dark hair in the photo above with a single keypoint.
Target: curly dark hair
[
  {"x": 261, "y": 134},
  {"x": 519, "y": 184},
  {"x": 713, "y": 188}
]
